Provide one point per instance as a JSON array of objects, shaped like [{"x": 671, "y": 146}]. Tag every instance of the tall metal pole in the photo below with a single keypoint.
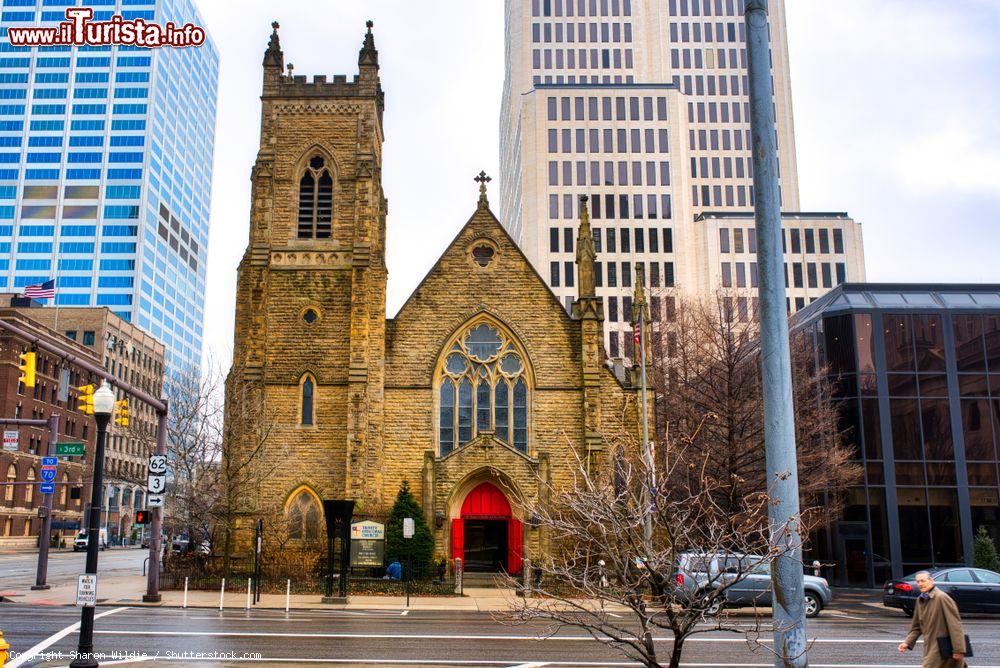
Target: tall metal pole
[
  {"x": 85, "y": 651},
  {"x": 152, "y": 594},
  {"x": 46, "y": 530},
  {"x": 779, "y": 419}
]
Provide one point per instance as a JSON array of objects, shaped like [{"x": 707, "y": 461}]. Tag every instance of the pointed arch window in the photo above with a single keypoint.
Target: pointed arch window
[
  {"x": 315, "y": 201},
  {"x": 308, "y": 391},
  {"x": 483, "y": 388},
  {"x": 304, "y": 515}
]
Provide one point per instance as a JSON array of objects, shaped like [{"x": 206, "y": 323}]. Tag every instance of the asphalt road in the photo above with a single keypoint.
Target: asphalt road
[
  {"x": 17, "y": 571},
  {"x": 418, "y": 638}
]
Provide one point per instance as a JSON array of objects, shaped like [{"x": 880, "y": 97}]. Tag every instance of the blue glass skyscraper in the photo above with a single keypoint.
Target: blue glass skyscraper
[{"x": 106, "y": 170}]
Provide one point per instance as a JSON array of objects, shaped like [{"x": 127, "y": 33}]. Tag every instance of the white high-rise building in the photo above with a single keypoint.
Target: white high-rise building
[{"x": 643, "y": 105}]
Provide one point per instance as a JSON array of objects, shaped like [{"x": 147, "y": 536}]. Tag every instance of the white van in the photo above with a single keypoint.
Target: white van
[{"x": 80, "y": 542}]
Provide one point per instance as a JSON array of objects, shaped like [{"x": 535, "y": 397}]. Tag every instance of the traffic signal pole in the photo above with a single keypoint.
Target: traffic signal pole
[
  {"x": 159, "y": 405},
  {"x": 45, "y": 532},
  {"x": 152, "y": 594},
  {"x": 46, "y": 529}
]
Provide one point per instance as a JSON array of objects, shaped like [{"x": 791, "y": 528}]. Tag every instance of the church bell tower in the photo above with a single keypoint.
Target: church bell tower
[{"x": 310, "y": 307}]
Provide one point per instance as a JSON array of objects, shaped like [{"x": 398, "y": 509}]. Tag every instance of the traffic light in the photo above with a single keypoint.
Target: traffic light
[
  {"x": 143, "y": 516},
  {"x": 27, "y": 368},
  {"x": 86, "y": 399},
  {"x": 121, "y": 412}
]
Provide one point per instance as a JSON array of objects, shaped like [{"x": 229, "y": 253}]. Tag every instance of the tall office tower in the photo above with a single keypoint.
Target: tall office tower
[
  {"x": 106, "y": 170},
  {"x": 643, "y": 105}
]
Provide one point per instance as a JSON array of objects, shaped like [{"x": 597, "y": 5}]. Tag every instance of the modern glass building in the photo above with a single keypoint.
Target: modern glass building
[
  {"x": 917, "y": 371},
  {"x": 106, "y": 170}
]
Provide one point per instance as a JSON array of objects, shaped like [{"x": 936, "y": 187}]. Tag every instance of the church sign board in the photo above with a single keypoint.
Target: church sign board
[{"x": 367, "y": 544}]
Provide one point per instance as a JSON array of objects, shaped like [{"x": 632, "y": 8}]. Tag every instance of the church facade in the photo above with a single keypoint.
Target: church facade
[{"x": 481, "y": 392}]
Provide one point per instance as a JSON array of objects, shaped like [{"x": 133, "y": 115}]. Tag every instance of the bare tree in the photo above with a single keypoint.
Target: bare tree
[
  {"x": 707, "y": 373},
  {"x": 251, "y": 450},
  {"x": 194, "y": 450},
  {"x": 599, "y": 555},
  {"x": 220, "y": 447}
]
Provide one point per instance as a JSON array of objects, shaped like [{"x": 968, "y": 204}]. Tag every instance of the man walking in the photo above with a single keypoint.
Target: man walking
[{"x": 936, "y": 616}]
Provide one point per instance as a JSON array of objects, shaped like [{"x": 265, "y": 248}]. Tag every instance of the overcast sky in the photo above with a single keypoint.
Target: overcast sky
[{"x": 896, "y": 122}]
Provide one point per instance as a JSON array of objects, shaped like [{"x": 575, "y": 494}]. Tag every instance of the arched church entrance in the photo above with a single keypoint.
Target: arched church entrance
[{"x": 487, "y": 537}]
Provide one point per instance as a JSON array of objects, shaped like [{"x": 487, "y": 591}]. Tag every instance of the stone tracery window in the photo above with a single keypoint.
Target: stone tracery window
[
  {"x": 483, "y": 388},
  {"x": 315, "y": 220},
  {"x": 304, "y": 516}
]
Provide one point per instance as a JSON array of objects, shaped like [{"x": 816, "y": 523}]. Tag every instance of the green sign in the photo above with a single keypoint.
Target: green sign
[{"x": 69, "y": 449}]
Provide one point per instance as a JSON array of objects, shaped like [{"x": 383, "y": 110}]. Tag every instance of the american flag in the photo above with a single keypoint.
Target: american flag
[
  {"x": 637, "y": 334},
  {"x": 46, "y": 290}
]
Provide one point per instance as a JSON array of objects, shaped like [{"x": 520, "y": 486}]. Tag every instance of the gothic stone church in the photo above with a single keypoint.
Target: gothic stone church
[{"x": 481, "y": 385}]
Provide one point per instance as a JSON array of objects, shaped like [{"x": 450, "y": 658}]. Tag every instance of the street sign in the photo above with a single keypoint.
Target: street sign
[
  {"x": 70, "y": 449},
  {"x": 50, "y": 462},
  {"x": 157, "y": 464},
  {"x": 48, "y": 475},
  {"x": 156, "y": 484},
  {"x": 64, "y": 384},
  {"x": 47, "y": 487},
  {"x": 156, "y": 481},
  {"x": 408, "y": 527},
  {"x": 86, "y": 590},
  {"x": 10, "y": 440}
]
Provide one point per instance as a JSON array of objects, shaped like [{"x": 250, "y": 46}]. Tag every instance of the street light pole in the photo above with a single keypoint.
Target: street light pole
[
  {"x": 790, "y": 649},
  {"x": 104, "y": 402}
]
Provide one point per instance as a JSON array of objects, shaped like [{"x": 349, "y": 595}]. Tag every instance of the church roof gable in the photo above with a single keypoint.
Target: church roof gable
[{"x": 484, "y": 225}]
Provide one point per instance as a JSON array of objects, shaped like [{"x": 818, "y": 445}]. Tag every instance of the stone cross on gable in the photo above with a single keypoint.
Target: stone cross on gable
[{"x": 482, "y": 180}]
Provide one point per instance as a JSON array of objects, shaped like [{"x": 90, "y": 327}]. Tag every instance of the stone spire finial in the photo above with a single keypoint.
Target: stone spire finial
[
  {"x": 368, "y": 54},
  {"x": 273, "y": 56},
  {"x": 291, "y": 68},
  {"x": 586, "y": 253},
  {"x": 482, "y": 180},
  {"x": 639, "y": 295}
]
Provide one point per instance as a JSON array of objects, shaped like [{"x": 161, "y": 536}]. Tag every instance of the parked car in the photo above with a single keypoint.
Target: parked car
[
  {"x": 80, "y": 542},
  {"x": 749, "y": 581},
  {"x": 974, "y": 589},
  {"x": 146, "y": 537},
  {"x": 182, "y": 544}
]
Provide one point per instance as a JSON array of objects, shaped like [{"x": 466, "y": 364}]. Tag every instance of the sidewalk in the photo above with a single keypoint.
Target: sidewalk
[{"x": 129, "y": 590}]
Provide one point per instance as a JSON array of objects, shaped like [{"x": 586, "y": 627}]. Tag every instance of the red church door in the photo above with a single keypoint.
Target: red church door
[{"x": 487, "y": 537}]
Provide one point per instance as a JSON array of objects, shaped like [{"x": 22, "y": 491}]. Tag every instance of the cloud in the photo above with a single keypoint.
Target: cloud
[{"x": 950, "y": 159}]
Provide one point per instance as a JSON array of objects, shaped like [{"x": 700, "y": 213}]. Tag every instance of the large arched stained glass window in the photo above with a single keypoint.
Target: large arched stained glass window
[
  {"x": 304, "y": 516},
  {"x": 483, "y": 389}
]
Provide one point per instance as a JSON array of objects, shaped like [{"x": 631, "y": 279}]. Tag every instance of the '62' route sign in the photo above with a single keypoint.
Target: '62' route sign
[{"x": 156, "y": 482}]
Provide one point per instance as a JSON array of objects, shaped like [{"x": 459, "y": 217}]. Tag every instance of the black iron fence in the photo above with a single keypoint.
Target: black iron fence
[{"x": 206, "y": 575}]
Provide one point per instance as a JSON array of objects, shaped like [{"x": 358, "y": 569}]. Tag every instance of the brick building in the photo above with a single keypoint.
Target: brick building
[
  {"x": 19, "y": 501},
  {"x": 480, "y": 385},
  {"x": 134, "y": 356}
]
